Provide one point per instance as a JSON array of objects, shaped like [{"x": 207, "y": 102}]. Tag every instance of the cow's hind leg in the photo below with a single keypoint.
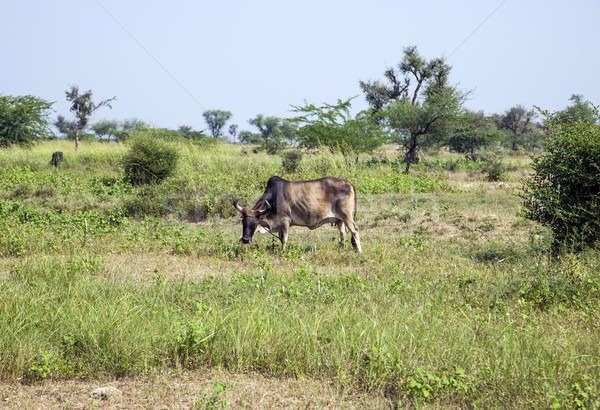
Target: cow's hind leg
[
  {"x": 343, "y": 232},
  {"x": 355, "y": 239},
  {"x": 349, "y": 222}
]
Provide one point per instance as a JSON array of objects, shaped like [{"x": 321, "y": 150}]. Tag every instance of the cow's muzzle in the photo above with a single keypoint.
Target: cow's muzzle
[{"x": 246, "y": 240}]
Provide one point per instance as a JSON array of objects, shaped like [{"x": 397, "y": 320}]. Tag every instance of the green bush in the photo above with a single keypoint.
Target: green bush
[
  {"x": 149, "y": 160},
  {"x": 494, "y": 168},
  {"x": 290, "y": 161},
  {"x": 564, "y": 192}
]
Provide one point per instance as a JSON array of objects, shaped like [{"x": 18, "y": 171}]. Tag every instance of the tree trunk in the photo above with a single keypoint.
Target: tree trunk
[
  {"x": 412, "y": 153},
  {"x": 76, "y": 140}
]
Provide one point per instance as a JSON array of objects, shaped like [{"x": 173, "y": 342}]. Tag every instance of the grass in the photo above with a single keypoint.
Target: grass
[{"x": 455, "y": 300}]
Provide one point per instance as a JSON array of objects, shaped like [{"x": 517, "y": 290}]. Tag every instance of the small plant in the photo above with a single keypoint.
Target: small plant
[
  {"x": 149, "y": 160},
  {"x": 494, "y": 168},
  {"x": 42, "y": 367},
  {"x": 213, "y": 400}
]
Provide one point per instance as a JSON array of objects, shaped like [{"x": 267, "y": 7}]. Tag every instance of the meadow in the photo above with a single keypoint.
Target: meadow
[{"x": 456, "y": 300}]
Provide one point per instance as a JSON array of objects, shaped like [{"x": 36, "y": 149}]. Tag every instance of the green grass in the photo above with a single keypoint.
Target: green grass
[{"x": 455, "y": 300}]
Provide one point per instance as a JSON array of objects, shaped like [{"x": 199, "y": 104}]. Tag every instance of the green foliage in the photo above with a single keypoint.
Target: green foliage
[
  {"x": 333, "y": 126},
  {"x": 150, "y": 159},
  {"x": 23, "y": 119},
  {"x": 216, "y": 120},
  {"x": 291, "y": 160},
  {"x": 83, "y": 107},
  {"x": 275, "y": 133},
  {"x": 521, "y": 132},
  {"x": 425, "y": 122},
  {"x": 213, "y": 400},
  {"x": 106, "y": 128},
  {"x": 129, "y": 127},
  {"x": 580, "y": 110},
  {"x": 417, "y": 103},
  {"x": 494, "y": 167},
  {"x": 249, "y": 137},
  {"x": 564, "y": 192},
  {"x": 473, "y": 131},
  {"x": 456, "y": 302}
]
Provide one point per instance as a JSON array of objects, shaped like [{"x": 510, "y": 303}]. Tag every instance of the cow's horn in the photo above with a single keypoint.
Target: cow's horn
[{"x": 237, "y": 206}]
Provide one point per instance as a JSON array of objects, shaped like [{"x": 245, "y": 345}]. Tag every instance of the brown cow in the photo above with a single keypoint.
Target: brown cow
[{"x": 302, "y": 203}]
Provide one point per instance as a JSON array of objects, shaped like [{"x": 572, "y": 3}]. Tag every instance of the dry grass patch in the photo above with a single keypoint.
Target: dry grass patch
[{"x": 205, "y": 388}]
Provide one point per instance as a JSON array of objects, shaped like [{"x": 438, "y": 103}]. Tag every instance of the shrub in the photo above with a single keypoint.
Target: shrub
[
  {"x": 290, "y": 161},
  {"x": 149, "y": 160},
  {"x": 564, "y": 192},
  {"x": 494, "y": 168}
]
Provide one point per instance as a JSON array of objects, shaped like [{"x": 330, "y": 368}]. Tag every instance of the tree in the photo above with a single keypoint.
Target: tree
[
  {"x": 83, "y": 107},
  {"x": 216, "y": 120},
  {"x": 233, "y": 132},
  {"x": 128, "y": 127},
  {"x": 23, "y": 119},
  {"x": 416, "y": 102},
  {"x": 185, "y": 129},
  {"x": 579, "y": 110},
  {"x": 564, "y": 192},
  {"x": 249, "y": 137},
  {"x": 519, "y": 126},
  {"x": 106, "y": 128},
  {"x": 473, "y": 131},
  {"x": 274, "y": 132},
  {"x": 425, "y": 121},
  {"x": 334, "y": 126}
]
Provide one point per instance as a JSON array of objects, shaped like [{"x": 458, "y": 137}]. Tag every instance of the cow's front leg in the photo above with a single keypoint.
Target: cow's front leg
[{"x": 283, "y": 234}]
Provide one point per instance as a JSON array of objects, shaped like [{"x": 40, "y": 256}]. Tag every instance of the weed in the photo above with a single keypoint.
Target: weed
[{"x": 213, "y": 399}]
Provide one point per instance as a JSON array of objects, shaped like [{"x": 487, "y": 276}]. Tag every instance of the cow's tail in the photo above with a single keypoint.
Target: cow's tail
[{"x": 355, "y": 203}]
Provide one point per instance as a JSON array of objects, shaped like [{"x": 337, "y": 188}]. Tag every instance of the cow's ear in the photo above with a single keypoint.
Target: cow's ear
[{"x": 267, "y": 208}]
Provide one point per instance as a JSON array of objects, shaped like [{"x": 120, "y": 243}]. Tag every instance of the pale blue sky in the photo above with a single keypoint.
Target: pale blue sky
[{"x": 168, "y": 61}]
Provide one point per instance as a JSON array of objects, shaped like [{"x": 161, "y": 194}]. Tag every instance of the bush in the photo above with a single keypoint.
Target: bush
[
  {"x": 149, "y": 160},
  {"x": 494, "y": 168},
  {"x": 290, "y": 161},
  {"x": 564, "y": 193}
]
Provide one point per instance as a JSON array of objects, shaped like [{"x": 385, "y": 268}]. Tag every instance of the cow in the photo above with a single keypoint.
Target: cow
[
  {"x": 302, "y": 203},
  {"x": 57, "y": 158}
]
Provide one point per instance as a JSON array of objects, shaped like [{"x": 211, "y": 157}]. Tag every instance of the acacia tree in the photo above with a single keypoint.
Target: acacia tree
[
  {"x": 416, "y": 101},
  {"x": 517, "y": 122},
  {"x": 274, "y": 132},
  {"x": 472, "y": 131},
  {"x": 83, "y": 107},
  {"x": 216, "y": 120},
  {"x": 22, "y": 119},
  {"x": 334, "y": 126},
  {"x": 233, "y": 132},
  {"x": 108, "y": 128},
  {"x": 66, "y": 127}
]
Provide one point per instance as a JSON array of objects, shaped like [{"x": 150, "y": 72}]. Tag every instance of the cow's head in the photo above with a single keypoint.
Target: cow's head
[{"x": 251, "y": 219}]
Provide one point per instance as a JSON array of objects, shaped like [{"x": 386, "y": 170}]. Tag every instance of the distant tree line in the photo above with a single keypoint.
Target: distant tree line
[{"x": 414, "y": 106}]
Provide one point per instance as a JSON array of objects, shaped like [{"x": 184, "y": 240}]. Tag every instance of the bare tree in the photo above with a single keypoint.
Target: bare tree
[{"x": 83, "y": 107}]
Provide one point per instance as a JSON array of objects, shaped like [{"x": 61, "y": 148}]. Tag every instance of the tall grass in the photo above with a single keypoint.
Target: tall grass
[
  {"x": 455, "y": 300},
  {"x": 461, "y": 335}
]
